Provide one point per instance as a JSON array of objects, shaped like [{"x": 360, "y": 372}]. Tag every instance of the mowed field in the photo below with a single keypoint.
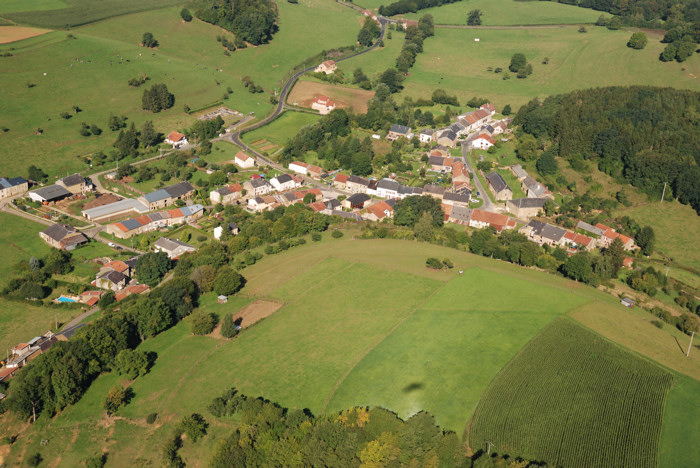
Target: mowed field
[
  {"x": 453, "y": 61},
  {"x": 364, "y": 323},
  {"x": 92, "y": 72},
  {"x": 305, "y": 91},
  {"x": 271, "y": 138},
  {"x": 17, "y": 33},
  {"x": 571, "y": 398}
]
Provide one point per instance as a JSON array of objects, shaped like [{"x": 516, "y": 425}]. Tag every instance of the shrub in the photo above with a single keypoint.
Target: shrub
[
  {"x": 194, "y": 426},
  {"x": 316, "y": 236},
  {"x": 131, "y": 363},
  {"x": 151, "y": 418},
  {"x": 657, "y": 323},
  {"x": 186, "y": 15},
  {"x": 228, "y": 282},
  {"x": 202, "y": 323},
  {"x": 433, "y": 263},
  {"x": 116, "y": 398},
  {"x": 447, "y": 263},
  {"x": 35, "y": 459},
  {"x": 337, "y": 234}
]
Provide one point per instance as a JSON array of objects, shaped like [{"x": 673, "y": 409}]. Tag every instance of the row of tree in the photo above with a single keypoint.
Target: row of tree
[
  {"x": 254, "y": 21},
  {"x": 411, "y": 6},
  {"x": 647, "y": 13}
]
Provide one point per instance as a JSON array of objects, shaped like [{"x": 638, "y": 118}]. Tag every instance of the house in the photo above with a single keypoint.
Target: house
[
  {"x": 590, "y": 228},
  {"x": 332, "y": 204},
  {"x": 440, "y": 164},
  {"x": 488, "y": 107},
  {"x": 459, "y": 128},
  {"x": 406, "y": 191},
  {"x": 299, "y": 167},
  {"x": 435, "y": 191},
  {"x": 49, "y": 194},
  {"x": 167, "y": 196},
  {"x": 440, "y": 150},
  {"x": 357, "y": 184},
  {"x": 323, "y": 104},
  {"x": 300, "y": 194},
  {"x": 356, "y": 201},
  {"x": 243, "y": 161},
  {"x": 460, "y": 174},
  {"x": 131, "y": 289},
  {"x": 283, "y": 182},
  {"x": 152, "y": 221},
  {"x": 116, "y": 265},
  {"x": 609, "y": 235},
  {"x": 460, "y": 215},
  {"x": 112, "y": 280},
  {"x": 176, "y": 139},
  {"x": 232, "y": 228},
  {"x": 627, "y": 302},
  {"x": 499, "y": 128},
  {"x": 326, "y": 67},
  {"x": 628, "y": 263},
  {"x": 261, "y": 203},
  {"x": 518, "y": 172},
  {"x": 457, "y": 199},
  {"x": 447, "y": 138},
  {"x": 75, "y": 184},
  {"x": 534, "y": 189},
  {"x": 314, "y": 171},
  {"x": 388, "y": 188},
  {"x": 578, "y": 241},
  {"x": 13, "y": 186},
  {"x": 173, "y": 247},
  {"x": 525, "y": 207},
  {"x": 221, "y": 299},
  {"x": 399, "y": 131},
  {"x": 226, "y": 195},
  {"x": 474, "y": 120},
  {"x": 379, "y": 211},
  {"x": 426, "y": 135},
  {"x": 340, "y": 181},
  {"x": 63, "y": 237},
  {"x": 118, "y": 209},
  {"x": 257, "y": 187},
  {"x": 318, "y": 206},
  {"x": 481, "y": 219},
  {"x": 543, "y": 233},
  {"x": 498, "y": 186},
  {"x": 483, "y": 141}
]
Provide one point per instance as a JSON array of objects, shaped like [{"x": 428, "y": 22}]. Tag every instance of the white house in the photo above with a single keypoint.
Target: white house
[
  {"x": 243, "y": 160},
  {"x": 326, "y": 67},
  {"x": 283, "y": 182},
  {"x": 176, "y": 139},
  {"x": 299, "y": 167},
  {"x": 426, "y": 135},
  {"x": 323, "y": 104},
  {"x": 483, "y": 141}
]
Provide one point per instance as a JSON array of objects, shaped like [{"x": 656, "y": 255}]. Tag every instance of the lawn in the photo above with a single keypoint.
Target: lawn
[
  {"x": 510, "y": 12},
  {"x": 568, "y": 398},
  {"x": 452, "y": 60},
  {"x": 20, "y": 240},
  {"x": 271, "y": 138}
]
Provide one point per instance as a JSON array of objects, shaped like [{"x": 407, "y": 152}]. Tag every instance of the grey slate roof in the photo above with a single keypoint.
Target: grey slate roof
[
  {"x": 52, "y": 192},
  {"x": 13, "y": 182},
  {"x": 171, "y": 244},
  {"x": 74, "y": 179},
  {"x": 179, "y": 189},
  {"x": 131, "y": 224},
  {"x": 283, "y": 178},
  {"x": 114, "y": 277},
  {"x": 116, "y": 207},
  {"x": 547, "y": 231},
  {"x": 528, "y": 202},
  {"x": 256, "y": 183},
  {"x": 436, "y": 160},
  {"x": 590, "y": 228},
  {"x": 58, "y": 231},
  {"x": 357, "y": 198},
  {"x": 402, "y": 129},
  {"x": 519, "y": 172},
  {"x": 156, "y": 195},
  {"x": 358, "y": 180},
  {"x": 537, "y": 188},
  {"x": 461, "y": 213},
  {"x": 436, "y": 189},
  {"x": 449, "y": 134},
  {"x": 332, "y": 204},
  {"x": 345, "y": 214},
  {"x": 496, "y": 181},
  {"x": 388, "y": 184},
  {"x": 427, "y": 131},
  {"x": 456, "y": 197}
]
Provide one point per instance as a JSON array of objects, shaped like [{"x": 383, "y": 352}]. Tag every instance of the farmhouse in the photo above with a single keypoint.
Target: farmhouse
[
  {"x": 257, "y": 187},
  {"x": 474, "y": 120},
  {"x": 525, "y": 207},
  {"x": 356, "y": 201},
  {"x": 399, "y": 131},
  {"x": 173, "y": 247},
  {"x": 609, "y": 235},
  {"x": 49, "y": 194},
  {"x": 115, "y": 210},
  {"x": 244, "y": 161},
  {"x": 75, "y": 184},
  {"x": 13, "y": 186},
  {"x": 579, "y": 241},
  {"x": 299, "y": 167},
  {"x": 340, "y": 181},
  {"x": 357, "y": 184},
  {"x": 543, "y": 233},
  {"x": 153, "y": 221},
  {"x": 498, "y": 186},
  {"x": 323, "y": 104},
  {"x": 483, "y": 141},
  {"x": 226, "y": 195},
  {"x": 426, "y": 135},
  {"x": 326, "y": 67},
  {"x": 176, "y": 139},
  {"x": 440, "y": 164},
  {"x": 167, "y": 196},
  {"x": 535, "y": 190},
  {"x": 112, "y": 280},
  {"x": 435, "y": 191},
  {"x": 283, "y": 182},
  {"x": 63, "y": 237},
  {"x": 518, "y": 172},
  {"x": 481, "y": 219},
  {"x": 448, "y": 138}
]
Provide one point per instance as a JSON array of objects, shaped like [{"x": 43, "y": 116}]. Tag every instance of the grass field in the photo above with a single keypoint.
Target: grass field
[
  {"x": 20, "y": 240},
  {"x": 510, "y": 12},
  {"x": 375, "y": 62},
  {"x": 305, "y": 91},
  {"x": 272, "y": 137},
  {"x": 452, "y": 60},
  {"x": 11, "y": 6},
  {"x": 571, "y": 398},
  {"x": 681, "y": 425}
]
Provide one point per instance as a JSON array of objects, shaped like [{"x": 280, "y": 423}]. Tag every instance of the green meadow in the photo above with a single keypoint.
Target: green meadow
[
  {"x": 20, "y": 240},
  {"x": 284, "y": 128},
  {"x": 363, "y": 323},
  {"x": 454, "y": 61}
]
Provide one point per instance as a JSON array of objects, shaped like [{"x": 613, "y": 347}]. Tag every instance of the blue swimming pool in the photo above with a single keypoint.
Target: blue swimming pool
[{"x": 65, "y": 299}]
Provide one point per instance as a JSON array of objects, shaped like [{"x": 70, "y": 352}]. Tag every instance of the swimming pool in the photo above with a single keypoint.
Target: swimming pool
[{"x": 65, "y": 299}]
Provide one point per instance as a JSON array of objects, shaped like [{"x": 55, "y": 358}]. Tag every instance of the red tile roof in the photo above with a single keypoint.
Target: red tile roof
[
  {"x": 235, "y": 187},
  {"x": 117, "y": 265},
  {"x": 242, "y": 156},
  {"x": 342, "y": 178},
  {"x": 121, "y": 227},
  {"x": 578, "y": 238},
  {"x": 380, "y": 209},
  {"x": 176, "y": 213},
  {"x": 175, "y": 136},
  {"x": 143, "y": 220},
  {"x": 317, "y": 206},
  {"x": 92, "y": 301},
  {"x": 486, "y": 137},
  {"x": 492, "y": 219}
]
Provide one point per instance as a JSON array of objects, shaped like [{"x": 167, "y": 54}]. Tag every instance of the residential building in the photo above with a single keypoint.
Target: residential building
[
  {"x": 118, "y": 209},
  {"x": 257, "y": 187},
  {"x": 63, "y": 237},
  {"x": 340, "y": 181},
  {"x": 447, "y": 138},
  {"x": 231, "y": 227},
  {"x": 388, "y": 188},
  {"x": 75, "y": 184},
  {"x": 323, "y": 104},
  {"x": 226, "y": 195},
  {"x": 399, "y": 131},
  {"x": 346, "y": 215},
  {"x": 299, "y": 167},
  {"x": 488, "y": 107},
  {"x": 498, "y": 186},
  {"x": 440, "y": 164},
  {"x": 435, "y": 191},
  {"x": 357, "y": 184},
  {"x": 116, "y": 265},
  {"x": 609, "y": 235},
  {"x": 543, "y": 233},
  {"x": 172, "y": 247},
  {"x": 167, "y": 196},
  {"x": 49, "y": 194},
  {"x": 379, "y": 211},
  {"x": 460, "y": 174},
  {"x": 152, "y": 221},
  {"x": 460, "y": 215},
  {"x": 596, "y": 231},
  {"x": 534, "y": 189},
  {"x": 426, "y": 135},
  {"x": 481, "y": 219},
  {"x": 314, "y": 171},
  {"x": 112, "y": 280},
  {"x": 578, "y": 241},
  {"x": 283, "y": 182},
  {"x": 176, "y": 139},
  {"x": 457, "y": 199},
  {"x": 525, "y": 207},
  {"x": 327, "y": 67},
  {"x": 518, "y": 172},
  {"x": 499, "y": 128},
  {"x": 474, "y": 120},
  {"x": 356, "y": 201},
  {"x": 243, "y": 161},
  {"x": 483, "y": 141},
  {"x": 13, "y": 186}
]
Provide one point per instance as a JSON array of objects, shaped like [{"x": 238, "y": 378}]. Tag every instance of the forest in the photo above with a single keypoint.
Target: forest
[
  {"x": 664, "y": 14},
  {"x": 411, "y": 6},
  {"x": 254, "y": 21},
  {"x": 645, "y": 136}
]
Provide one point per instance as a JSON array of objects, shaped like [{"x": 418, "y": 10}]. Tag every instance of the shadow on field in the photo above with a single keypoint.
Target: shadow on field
[
  {"x": 679, "y": 345},
  {"x": 412, "y": 387}
]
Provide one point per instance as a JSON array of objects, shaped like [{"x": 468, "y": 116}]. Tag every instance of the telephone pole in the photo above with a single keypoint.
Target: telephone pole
[
  {"x": 489, "y": 445},
  {"x": 690, "y": 344},
  {"x": 663, "y": 193}
]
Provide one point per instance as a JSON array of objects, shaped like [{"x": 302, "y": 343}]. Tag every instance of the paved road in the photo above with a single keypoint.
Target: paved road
[
  {"x": 80, "y": 318},
  {"x": 488, "y": 204}
]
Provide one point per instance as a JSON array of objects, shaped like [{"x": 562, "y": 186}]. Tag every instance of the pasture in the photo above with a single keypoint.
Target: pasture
[
  {"x": 453, "y": 61},
  {"x": 305, "y": 91},
  {"x": 271, "y": 138},
  {"x": 568, "y": 398},
  {"x": 20, "y": 240}
]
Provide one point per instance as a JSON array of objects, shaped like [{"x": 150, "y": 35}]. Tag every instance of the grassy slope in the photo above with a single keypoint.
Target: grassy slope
[
  {"x": 11, "y": 6},
  {"x": 187, "y": 60},
  {"x": 19, "y": 238},
  {"x": 455, "y": 62},
  {"x": 681, "y": 425},
  {"x": 282, "y": 129}
]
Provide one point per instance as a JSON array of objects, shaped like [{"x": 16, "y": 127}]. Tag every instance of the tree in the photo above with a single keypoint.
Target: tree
[
  {"x": 615, "y": 23},
  {"x": 474, "y": 18},
  {"x": 106, "y": 300},
  {"x": 393, "y": 79},
  {"x": 186, "y": 15},
  {"x": 434, "y": 263},
  {"x": 426, "y": 25},
  {"x": 637, "y": 41},
  {"x": 151, "y": 267},
  {"x": 517, "y": 62},
  {"x": 149, "y": 136},
  {"x": 424, "y": 227},
  {"x": 669, "y": 53},
  {"x": 408, "y": 211},
  {"x": 202, "y": 323},
  {"x": 546, "y": 164},
  {"x": 228, "y": 281},
  {"x": 578, "y": 267},
  {"x": 32, "y": 290},
  {"x": 646, "y": 240},
  {"x": 148, "y": 40},
  {"x": 194, "y": 426},
  {"x": 361, "y": 164},
  {"x": 364, "y": 37},
  {"x": 117, "y": 397},
  {"x": 616, "y": 254},
  {"x": 228, "y": 327},
  {"x": 527, "y": 148},
  {"x": 506, "y": 110},
  {"x": 131, "y": 363},
  {"x": 203, "y": 276},
  {"x": 36, "y": 174},
  {"x": 157, "y": 98}
]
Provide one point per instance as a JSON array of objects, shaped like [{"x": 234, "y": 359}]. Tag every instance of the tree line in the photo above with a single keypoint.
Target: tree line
[
  {"x": 643, "y": 135},
  {"x": 411, "y": 6},
  {"x": 646, "y": 13},
  {"x": 254, "y": 21}
]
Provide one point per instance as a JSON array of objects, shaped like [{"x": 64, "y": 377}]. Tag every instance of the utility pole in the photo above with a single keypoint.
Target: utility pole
[
  {"x": 690, "y": 344},
  {"x": 56, "y": 317},
  {"x": 663, "y": 193},
  {"x": 489, "y": 445}
]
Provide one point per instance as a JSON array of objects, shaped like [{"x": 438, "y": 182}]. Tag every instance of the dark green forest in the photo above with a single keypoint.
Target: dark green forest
[
  {"x": 254, "y": 21},
  {"x": 649, "y": 13},
  {"x": 643, "y": 135},
  {"x": 411, "y": 6}
]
